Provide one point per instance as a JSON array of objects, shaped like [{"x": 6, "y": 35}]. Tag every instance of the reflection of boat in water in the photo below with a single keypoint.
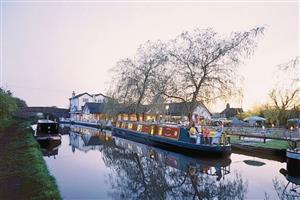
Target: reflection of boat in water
[
  {"x": 171, "y": 137},
  {"x": 292, "y": 189},
  {"x": 46, "y": 130},
  {"x": 293, "y": 161},
  {"x": 86, "y": 139},
  {"x": 49, "y": 148},
  {"x": 215, "y": 167}
]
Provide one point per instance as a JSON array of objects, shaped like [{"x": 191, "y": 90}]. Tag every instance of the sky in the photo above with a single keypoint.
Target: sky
[{"x": 49, "y": 49}]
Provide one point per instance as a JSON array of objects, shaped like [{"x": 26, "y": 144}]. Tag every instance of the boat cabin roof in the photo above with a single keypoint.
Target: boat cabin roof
[
  {"x": 44, "y": 121},
  {"x": 153, "y": 123}
]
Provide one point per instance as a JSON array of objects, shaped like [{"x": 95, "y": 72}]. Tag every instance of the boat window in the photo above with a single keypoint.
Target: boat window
[
  {"x": 175, "y": 133},
  {"x": 123, "y": 125},
  {"x": 160, "y": 131},
  {"x": 129, "y": 125},
  {"x": 139, "y": 127},
  {"x": 152, "y": 130},
  {"x": 118, "y": 124}
]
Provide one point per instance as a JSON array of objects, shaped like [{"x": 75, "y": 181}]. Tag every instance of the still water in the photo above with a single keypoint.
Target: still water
[{"x": 92, "y": 164}]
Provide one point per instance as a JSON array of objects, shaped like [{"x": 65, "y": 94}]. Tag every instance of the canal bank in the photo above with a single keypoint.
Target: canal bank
[
  {"x": 271, "y": 149},
  {"x": 23, "y": 172}
]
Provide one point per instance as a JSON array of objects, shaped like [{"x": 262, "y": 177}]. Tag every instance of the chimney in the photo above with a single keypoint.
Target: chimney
[
  {"x": 73, "y": 94},
  {"x": 227, "y": 106}
]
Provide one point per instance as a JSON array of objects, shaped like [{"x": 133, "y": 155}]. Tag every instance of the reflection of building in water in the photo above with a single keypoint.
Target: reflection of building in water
[
  {"x": 213, "y": 167},
  {"x": 87, "y": 138}
]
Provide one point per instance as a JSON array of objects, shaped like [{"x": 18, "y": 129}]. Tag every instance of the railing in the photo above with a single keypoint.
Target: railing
[
  {"x": 292, "y": 141},
  {"x": 216, "y": 140}
]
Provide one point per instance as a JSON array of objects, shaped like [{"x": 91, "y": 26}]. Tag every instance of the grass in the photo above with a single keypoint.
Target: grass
[
  {"x": 275, "y": 144},
  {"x": 4, "y": 123},
  {"x": 23, "y": 171}
]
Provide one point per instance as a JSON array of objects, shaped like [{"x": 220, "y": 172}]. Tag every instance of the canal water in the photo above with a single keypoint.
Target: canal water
[{"x": 92, "y": 164}]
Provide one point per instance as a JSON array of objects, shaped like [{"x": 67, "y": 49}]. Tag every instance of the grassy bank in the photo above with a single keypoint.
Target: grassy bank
[
  {"x": 23, "y": 172},
  {"x": 275, "y": 144},
  {"x": 4, "y": 123}
]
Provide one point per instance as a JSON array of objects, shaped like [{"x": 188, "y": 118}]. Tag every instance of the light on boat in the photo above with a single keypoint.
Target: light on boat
[{"x": 160, "y": 131}]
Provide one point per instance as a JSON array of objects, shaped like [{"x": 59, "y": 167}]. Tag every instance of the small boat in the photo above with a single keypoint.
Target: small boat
[
  {"x": 293, "y": 161},
  {"x": 46, "y": 130},
  {"x": 172, "y": 137}
]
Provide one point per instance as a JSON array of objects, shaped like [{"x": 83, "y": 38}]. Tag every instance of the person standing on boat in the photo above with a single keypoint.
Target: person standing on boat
[
  {"x": 218, "y": 135},
  {"x": 193, "y": 133},
  {"x": 206, "y": 133},
  {"x": 199, "y": 136}
]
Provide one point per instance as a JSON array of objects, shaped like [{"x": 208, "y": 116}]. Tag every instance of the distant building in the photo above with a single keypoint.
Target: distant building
[
  {"x": 181, "y": 110},
  {"x": 174, "y": 111},
  {"x": 77, "y": 103},
  {"x": 93, "y": 111},
  {"x": 94, "y": 108},
  {"x": 231, "y": 112}
]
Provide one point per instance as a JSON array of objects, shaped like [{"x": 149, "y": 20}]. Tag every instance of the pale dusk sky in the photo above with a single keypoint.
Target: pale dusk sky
[{"x": 49, "y": 49}]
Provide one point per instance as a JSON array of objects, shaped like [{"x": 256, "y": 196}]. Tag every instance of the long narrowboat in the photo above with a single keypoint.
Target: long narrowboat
[{"x": 171, "y": 137}]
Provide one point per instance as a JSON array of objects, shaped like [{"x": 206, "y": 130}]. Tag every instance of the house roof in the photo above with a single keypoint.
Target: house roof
[
  {"x": 79, "y": 95},
  {"x": 175, "y": 109},
  {"x": 95, "y": 107},
  {"x": 179, "y": 109},
  {"x": 131, "y": 109},
  {"x": 254, "y": 118}
]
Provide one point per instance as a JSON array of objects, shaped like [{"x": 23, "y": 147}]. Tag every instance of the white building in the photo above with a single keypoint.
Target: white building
[{"x": 77, "y": 103}]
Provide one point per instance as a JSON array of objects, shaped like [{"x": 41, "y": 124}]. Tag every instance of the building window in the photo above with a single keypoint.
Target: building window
[{"x": 85, "y": 100}]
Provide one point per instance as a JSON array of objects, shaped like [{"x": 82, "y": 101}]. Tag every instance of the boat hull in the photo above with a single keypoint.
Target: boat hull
[{"x": 174, "y": 145}]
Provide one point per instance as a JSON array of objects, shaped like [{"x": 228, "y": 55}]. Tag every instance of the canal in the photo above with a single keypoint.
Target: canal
[{"x": 92, "y": 164}]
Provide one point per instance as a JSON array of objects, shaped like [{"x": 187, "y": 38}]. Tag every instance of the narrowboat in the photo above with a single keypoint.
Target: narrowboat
[
  {"x": 172, "y": 137},
  {"x": 46, "y": 130}
]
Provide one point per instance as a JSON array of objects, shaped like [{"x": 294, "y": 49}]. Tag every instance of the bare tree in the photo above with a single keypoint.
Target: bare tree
[
  {"x": 286, "y": 94},
  {"x": 206, "y": 64},
  {"x": 136, "y": 76}
]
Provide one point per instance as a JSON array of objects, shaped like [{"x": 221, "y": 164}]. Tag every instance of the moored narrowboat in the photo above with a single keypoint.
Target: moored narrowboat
[
  {"x": 46, "y": 130},
  {"x": 172, "y": 137}
]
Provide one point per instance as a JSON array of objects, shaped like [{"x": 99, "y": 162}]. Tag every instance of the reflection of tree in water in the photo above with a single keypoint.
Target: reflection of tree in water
[
  {"x": 139, "y": 177},
  {"x": 285, "y": 190}
]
